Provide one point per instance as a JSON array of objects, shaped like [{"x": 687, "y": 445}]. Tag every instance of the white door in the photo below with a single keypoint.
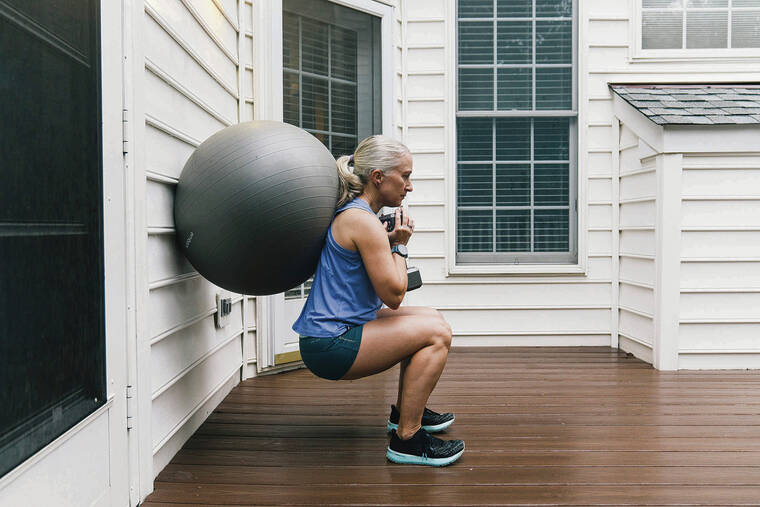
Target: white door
[{"x": 333, "y": 86}]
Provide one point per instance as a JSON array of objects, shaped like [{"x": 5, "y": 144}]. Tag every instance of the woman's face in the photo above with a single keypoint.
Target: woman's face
[{"x": 396, "y": 183}]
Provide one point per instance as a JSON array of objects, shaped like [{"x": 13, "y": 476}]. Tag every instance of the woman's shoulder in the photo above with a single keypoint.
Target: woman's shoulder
[{"x": 353, "y": 224}]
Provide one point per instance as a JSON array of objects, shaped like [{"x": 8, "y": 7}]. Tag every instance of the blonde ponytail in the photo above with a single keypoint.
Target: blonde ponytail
[{"x": 375, "y": 152}]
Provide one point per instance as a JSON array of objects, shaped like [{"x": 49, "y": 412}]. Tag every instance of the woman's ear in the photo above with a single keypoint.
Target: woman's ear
[{"x": 376, "y": 176}]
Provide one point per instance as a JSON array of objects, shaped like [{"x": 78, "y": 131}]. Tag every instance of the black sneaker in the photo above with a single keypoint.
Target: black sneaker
[
  {"x": 424, "y": 449},
  {"x": 432, "y": 422}
]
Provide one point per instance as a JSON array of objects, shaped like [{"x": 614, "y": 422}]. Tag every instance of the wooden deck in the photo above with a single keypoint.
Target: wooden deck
[{"x": 543, "y": 426}]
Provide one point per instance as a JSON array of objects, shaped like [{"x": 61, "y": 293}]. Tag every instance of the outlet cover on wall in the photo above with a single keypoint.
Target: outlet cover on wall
[{"x": 223, "y": 309}]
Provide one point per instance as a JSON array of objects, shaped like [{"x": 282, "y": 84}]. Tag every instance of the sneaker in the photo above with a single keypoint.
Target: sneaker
[
  {"x": 432, "y": 422},
  {"x": 424, "y": 449}
]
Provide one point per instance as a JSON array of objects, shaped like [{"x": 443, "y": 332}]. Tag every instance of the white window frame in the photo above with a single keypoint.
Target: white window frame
[
  {"x": 580, "y": 266},
  {"x": 639, "y": 55}
]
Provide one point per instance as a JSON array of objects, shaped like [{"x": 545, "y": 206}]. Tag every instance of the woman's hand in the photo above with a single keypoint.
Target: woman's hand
[{"x": 402, "y": 230}]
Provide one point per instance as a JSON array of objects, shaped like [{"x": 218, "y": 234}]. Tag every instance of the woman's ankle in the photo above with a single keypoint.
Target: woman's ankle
[{"x": 406, "y": 434}]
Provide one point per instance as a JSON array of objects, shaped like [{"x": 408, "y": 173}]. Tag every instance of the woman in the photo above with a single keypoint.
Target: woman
[{"x": 343, "y": 332}]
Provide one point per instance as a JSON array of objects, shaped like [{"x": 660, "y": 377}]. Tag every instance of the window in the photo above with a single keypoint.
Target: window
[
  {"x": 516, "y": 131},
  {"x": 52, "y": 334},
  {"x": 700, "y": 24},
  {"x": 331, "y": 77}
]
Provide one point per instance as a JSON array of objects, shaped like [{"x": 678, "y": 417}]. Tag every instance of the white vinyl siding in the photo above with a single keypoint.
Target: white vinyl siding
[{"x": 198, "y": 67}]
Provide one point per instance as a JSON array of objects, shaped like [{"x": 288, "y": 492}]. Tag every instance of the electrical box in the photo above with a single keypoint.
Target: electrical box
[{"x": 223, "y": 309}]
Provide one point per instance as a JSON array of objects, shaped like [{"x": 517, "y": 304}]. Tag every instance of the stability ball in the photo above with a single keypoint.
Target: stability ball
[{"x": 253, "y": 205}]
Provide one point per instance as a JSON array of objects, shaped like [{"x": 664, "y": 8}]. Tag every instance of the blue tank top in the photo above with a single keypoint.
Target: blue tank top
[{"x": 341, "y": 295}]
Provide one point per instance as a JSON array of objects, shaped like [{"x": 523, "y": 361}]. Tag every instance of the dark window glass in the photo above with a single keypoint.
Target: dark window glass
[{"x": 52, "y": 338}]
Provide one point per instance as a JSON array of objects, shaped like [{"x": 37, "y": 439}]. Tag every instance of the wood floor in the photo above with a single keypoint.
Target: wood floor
[{"x": 543, "y": 426}]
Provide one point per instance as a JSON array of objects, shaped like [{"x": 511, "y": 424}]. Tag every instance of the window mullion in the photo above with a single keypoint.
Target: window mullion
[
  {"x": 532, "y": 202},
  {"x": 493, "y": 183},
  {"x": 329, "y": 86},
  {"x": 300, "y": 75}
]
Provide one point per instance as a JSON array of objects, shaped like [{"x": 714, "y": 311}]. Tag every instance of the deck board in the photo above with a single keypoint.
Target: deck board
[{"x": 543, "y": 426}]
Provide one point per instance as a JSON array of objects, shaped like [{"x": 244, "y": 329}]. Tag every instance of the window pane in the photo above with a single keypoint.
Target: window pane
[
  {"x": 290, "y": 98},
  {"x": 475, "y": 8},
  {"x": 512, "y": 139},
  {"x": 662, "y": 30},
  {"x": 314, "y": 50},
  {"x": 661, "y": 3},
  {"x": 514, "y": 42},
  {"x": 551, "y": 228},
  {"x": 554, "y": 43},
  {"x": 554, "y": 88},
  {"x": 551, "y": 138},
  {"x": 474, "y": 139},
  {"x": 515, "y": 89},
  {"x": 746, "y": 3},
  {"x": 314, "y": 98},
  {"x": 343, "y": 53},
  {"x": 343, "y": 108},
  {"x": 476, "y": 42},
  {"x": 745, "y": 29},
  {"x": 513, "y": 230},
  {"x": 554, "y": 8},
  {"x": 343, "y": 145},
  {"x": 289, "y": 41},
  {"x": 707, "y": 3},
  {"x": 707, "y": 29},
  {"x": 474, "y": 231},
  {"x": 512, "y": 184},
  {"x": 475, "y": 89},
  {"x": 514, "y": 8},
  {"x": 550, "y": 182},
  {"x": 474, "y": 185}
]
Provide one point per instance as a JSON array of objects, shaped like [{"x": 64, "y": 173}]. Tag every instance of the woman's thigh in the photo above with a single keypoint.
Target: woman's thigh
[
  {"x": 388, "y": 340},
  {"x": 408, "y": 310}
]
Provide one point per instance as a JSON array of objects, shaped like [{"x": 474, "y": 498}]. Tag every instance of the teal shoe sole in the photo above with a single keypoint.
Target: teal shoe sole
[
  {"x": 429, "y": 428},
  {"x": 410, "y": 459}
]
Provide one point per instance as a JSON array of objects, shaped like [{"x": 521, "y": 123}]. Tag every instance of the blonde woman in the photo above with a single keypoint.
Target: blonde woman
[{"x": 344, "y": 333}]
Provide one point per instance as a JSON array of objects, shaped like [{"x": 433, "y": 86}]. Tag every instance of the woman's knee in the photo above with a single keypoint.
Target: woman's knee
[{"x": 441, "y": 333}]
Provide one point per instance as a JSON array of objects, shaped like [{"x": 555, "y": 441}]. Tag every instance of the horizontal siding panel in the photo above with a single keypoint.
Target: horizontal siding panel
[
  {"x": 720, "y": 305},
  {"x": 174, "y": 304},
  {"x": 599, "y": 111},
  {"x": 428, "y": 217},
  {"x": 554, "y": 321},
  {"x": 173, "y": 405},
  {"x": 160, "y": 204},
  {"x": 599, "y": 242},
  {"x": 425, "y": 33},
  {"x": 214, "y": 19},
  {"x": 723, "y": 182},
  {"x": 425, "y": 86},
  {"x": 425, "y": 59},
  {"x": 640, "y": 351},
  {"x": 599, "y": 268},
  {"x": 171, "y": 107},
  {"x": 720, "y": 275},
  {"x": 171, "y": 58},
  {"x": 181, "y": 349},
  {"x": 426, "y": 112},
  {"x": 167, "y": 154},
  {"x": 531, "y": 340},
  {"x": 182, "y": 22},
  {"x": 531, "y": 294},
  {"x": 600, "y": 215},
  {"x": 246, "y": 56},
  {"x": 230, "y": 8},
  {"x": 247, "y": 21},
  {"x": 429, "y": 164},
  {"x": 430, "y": 269},
  {"x": 426, "y": 243},
  {"x": 425, "y": 9},
  {"x": 599, "y": 136},
  {"x": 719, "y": 361},
  {"x": 606, "y": 8},
  {"x": 721, "y": 213},
  {"x": 165, "y": 259},
  {"x": 604, "y": 58},
  {"x": 627, "y": 136},
  {"x": 599, "y": 190},
  {"x": 636, "y": 326},
  {"x": 723, "y": 336},
  {"x": 247, "y": 91},
  {"x": 637, "y": 270},
  {"x": 638, "y": 214},
  {"x": 427, "y": 191},
  {"x": 425, "y": 138},
  {"x": 721, "y": 161},
  {"x": 608, "y": 32},
  {"x": 629, "y": 158},
  {"x": 599, "y": 164},
  {"x": 637, "y": 298},
  {"x": 250, "y": 311},
  {"x": 637, "y": 242},
  {"x": 724, "y": 244},
  {"x": 635, "y": 186},
  {"x": 246, "y": 112}
]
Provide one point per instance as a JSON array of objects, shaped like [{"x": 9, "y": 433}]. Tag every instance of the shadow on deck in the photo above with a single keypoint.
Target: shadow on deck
[{"x": 543, "y": 426}]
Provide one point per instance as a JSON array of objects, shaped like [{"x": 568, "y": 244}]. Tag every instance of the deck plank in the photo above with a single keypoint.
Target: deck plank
[{"x": 543, "y": 426}]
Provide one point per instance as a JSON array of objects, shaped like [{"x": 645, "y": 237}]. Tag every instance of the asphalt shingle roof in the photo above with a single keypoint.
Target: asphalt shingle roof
[{"x": 704, "y": 104}]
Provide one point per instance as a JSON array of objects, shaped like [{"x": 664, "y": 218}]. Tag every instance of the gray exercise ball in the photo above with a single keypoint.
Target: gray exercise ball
[{"x": 253, "y": 205}]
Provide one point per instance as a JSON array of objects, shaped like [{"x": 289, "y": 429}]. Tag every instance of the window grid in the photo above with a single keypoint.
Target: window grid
[
  {"x": 685, "y": 9},
  {"x": 516, "y": 113}
]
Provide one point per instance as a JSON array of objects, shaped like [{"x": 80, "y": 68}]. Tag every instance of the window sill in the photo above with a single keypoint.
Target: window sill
[
  {"x": 517, "y": 269},
  {"x": 680, "y": 56}
]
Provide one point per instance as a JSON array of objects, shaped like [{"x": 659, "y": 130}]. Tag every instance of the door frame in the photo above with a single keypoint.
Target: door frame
[{"x": 268, "y": 103}]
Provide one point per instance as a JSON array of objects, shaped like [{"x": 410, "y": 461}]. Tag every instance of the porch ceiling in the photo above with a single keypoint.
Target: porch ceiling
[{"x": 559, "y": 426}]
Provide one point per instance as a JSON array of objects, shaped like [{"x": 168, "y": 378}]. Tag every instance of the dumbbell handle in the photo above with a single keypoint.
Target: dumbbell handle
[{"x": 414, "y": 279}]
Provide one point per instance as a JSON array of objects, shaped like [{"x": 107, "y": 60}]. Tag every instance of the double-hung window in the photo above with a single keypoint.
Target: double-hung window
[{"x": 516, "y": 190}]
